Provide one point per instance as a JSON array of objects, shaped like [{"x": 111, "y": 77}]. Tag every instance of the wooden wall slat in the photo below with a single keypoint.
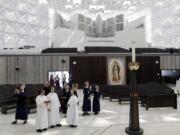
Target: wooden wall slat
[
  {"x": 29, "y": 67},
  {"x": 36, "y": 69},
  {"x": 41, "y": 67},
  {"x": 21, "y": 74},
  {"x": 3, "y": 71},
  {"x": 12, "y": 73},
  {"x": 170, "y": 62},
  {"x": 32, "y": 69}
]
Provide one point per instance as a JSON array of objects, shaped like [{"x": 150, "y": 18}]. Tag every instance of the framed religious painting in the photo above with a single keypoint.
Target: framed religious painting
[{"x": 116, "y": 71}]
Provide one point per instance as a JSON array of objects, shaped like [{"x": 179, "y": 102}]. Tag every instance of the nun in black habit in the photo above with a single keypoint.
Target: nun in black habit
[
  {"x": 96, "y": 102},
  {"x": 66, "y": 95},
  {"x": 21, "y": 109},
  {"x": 87, "y": 99}
]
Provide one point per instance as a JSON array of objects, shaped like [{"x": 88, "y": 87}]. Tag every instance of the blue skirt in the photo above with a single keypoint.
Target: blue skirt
[{"x": 21, "y": 112}]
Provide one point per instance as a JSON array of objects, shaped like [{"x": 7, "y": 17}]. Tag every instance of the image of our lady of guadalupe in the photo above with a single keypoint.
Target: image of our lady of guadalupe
[{"x": 116, "y": 72}]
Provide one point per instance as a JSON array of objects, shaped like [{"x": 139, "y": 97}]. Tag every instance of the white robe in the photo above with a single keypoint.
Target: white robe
[
  {"x": 53, "y": 113},
  {"x": 73, "y": 111},
  {"x": 42, "y": 112}
]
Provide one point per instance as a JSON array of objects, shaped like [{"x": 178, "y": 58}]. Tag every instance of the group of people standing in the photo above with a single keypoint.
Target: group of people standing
[
  {"x": 56, "y": 80},
  {"x": 48, "y": 105},
  {"x": 88, "y": 91},
  {"x": 48, "y": 109}
]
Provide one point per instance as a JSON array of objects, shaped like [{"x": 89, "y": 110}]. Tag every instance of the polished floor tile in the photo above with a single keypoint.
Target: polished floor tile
[{"x": 112, "y": 120}]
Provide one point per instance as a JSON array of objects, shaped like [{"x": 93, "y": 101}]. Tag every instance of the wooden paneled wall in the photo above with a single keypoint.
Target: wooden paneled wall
[
  {"x": 92, "y": 68},
  {"x": 149, "y": 70},
  {"x": 32, "y": 69},
  {"x": 170, "y": 62}
]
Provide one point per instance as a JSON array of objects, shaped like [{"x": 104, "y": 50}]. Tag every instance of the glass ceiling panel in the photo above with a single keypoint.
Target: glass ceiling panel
[
  {"x": 22, "y": 21},
  {"x": 27, "y": 22}
]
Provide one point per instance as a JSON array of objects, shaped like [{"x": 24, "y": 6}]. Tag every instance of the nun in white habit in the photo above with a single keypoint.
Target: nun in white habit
[
  {"x": 54, "y": 106},
  {"x": 73, "y": 109},
  {"x": 42, "y": 111}
]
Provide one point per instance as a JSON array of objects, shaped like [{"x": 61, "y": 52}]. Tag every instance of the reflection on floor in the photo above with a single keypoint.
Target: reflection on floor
[{"x": 112, "y": 120}]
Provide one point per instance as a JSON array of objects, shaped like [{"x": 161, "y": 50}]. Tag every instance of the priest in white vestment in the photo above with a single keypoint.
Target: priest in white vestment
[
  {"x": 73, "y": 109},
  {"x": 54, "y": 106},
  {"x": 42, "y": 102}
]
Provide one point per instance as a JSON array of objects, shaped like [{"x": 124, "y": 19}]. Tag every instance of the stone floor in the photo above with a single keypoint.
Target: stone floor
[{"x": 112, "y": 120}]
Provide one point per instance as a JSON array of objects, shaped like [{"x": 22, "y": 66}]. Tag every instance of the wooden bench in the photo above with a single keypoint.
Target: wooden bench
[
  {"x": 7, "y": 107},
  {"x": 163, "y": 100},
  {"x": 150, "y": 94}
]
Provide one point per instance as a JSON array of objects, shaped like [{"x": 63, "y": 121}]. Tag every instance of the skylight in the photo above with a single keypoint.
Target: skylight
[{"x": 43, "y": 2}]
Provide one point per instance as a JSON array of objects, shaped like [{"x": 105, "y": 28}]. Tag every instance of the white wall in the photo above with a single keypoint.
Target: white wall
[
  {"x": 135, "y": 23},
  {"x": 139, "y": 17},
  {"x": 124, "y": 38},
  {"x": 63, "y": 37},
  {"x": 90, "y": 41}
]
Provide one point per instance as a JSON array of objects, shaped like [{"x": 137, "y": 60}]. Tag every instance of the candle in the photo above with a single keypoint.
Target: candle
[{"x": 133, "y": 54}]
